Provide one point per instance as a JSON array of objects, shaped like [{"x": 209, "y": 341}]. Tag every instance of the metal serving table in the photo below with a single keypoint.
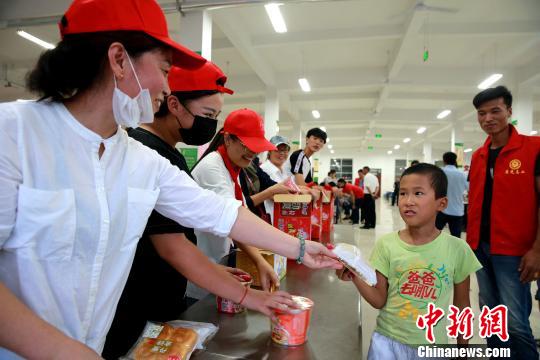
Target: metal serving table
[{"x": 334, "y": 331}]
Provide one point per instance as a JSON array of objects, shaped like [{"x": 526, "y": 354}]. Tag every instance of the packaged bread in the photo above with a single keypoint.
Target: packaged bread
[
  {"x": 351, "y": 257},
  {"x": 173, "y": 341}
]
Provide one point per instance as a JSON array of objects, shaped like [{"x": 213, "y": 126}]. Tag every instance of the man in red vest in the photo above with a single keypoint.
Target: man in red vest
[{"x": 503, "y": 217}]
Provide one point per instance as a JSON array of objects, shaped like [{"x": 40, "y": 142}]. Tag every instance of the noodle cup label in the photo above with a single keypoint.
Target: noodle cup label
[
  {"x": 290, "y": 328},
  {"x": 230, "y": 307}
]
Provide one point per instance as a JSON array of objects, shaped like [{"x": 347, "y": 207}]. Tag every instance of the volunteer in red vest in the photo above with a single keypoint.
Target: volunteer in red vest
[
  {"x": 503, "y": 218},
  {"x": 356, "y": 193},
  {"x": 76, "y": 191}
]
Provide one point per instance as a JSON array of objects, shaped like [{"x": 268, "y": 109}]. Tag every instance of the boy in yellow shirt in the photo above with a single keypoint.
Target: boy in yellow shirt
[{"x": 416, "y": 266}]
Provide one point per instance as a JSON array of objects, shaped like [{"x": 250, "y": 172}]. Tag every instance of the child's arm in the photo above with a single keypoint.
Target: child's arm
[
  {"x": 462, "y": 300},
  {"x": 374, "y": 295}
]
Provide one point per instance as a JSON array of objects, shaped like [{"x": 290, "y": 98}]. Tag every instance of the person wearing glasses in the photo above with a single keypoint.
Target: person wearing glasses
[{"x": 220, "y": 170}]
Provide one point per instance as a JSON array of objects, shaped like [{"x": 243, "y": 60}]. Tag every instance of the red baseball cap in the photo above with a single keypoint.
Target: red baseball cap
[
  {"x": 207, "y": 77},
  {"x": 87, "y": 16},
  {"x": 247, "y": 125}
]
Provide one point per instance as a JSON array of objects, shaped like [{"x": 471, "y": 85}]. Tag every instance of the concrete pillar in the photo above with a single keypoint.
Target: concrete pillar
[
  {"x": 456, "y": 140},
  {"x": 523, "y": 109},
  {"x": 271, "y": 112},
  {"x": 196, "y": 32},
  {"x": 427, "y": 151}
]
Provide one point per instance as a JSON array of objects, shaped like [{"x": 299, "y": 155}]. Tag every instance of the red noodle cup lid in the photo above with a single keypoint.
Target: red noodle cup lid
[
  {"x": 302, "y": 304},
  {"x": 245, "y": 277}
]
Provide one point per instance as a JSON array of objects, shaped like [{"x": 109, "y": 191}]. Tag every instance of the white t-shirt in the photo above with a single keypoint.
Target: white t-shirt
[
  {"x": 211, "y": 174},
  {"x": 70, "y": 221},
  {"x": 278, "y": 176},
  {"x": 371, "y": 183}
]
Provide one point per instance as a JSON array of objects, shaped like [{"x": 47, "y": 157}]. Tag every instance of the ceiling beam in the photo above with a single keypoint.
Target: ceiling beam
[{"x": 396, "y": 63}]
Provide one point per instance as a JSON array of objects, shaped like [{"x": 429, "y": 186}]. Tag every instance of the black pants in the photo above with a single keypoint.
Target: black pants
[
  {"x": 369, "y": 210},
  {"x": 355, "y": 217},
  {"x": 454, "y": 223}
]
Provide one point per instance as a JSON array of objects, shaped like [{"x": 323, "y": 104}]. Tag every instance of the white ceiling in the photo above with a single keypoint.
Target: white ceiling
[{"x": 363, "y": 59}]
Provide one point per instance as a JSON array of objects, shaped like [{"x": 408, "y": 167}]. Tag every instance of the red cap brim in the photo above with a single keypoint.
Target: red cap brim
[
  {"x": 182, "y": 56},
  {"x": 257, "y": 144},
  {"x": 223, "y": 89}
]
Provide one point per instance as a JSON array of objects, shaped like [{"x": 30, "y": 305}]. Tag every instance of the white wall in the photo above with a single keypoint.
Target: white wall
[{"x": 384, "y": 162}]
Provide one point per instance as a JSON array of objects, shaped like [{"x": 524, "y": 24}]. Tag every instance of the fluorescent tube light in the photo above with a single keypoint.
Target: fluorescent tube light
[
  {"x": 276, "y": 18},
  {"x": 35, "y": 40},
  {"x": 492, "y": 79}
]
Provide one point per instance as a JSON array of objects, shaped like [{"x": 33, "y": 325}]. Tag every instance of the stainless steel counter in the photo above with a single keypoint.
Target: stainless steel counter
[{"x": 334, "y": 331}]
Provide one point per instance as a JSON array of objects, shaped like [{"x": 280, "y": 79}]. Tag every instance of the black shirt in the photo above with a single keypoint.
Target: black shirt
[
  {"x": 154, "y": 289},
  {"x": 485, "y": 224},
  {"x": 300, "y": 164}
]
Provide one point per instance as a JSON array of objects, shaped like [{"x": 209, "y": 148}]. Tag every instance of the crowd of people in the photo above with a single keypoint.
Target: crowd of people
[{"x": 98, "y": 202}]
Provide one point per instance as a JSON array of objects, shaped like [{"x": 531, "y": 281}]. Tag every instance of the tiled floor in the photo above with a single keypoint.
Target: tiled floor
[{"x": 388, "y": 220}]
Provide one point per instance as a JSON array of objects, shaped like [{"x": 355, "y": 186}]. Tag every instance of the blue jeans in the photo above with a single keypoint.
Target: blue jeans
[{"x": 499, "y": 283}]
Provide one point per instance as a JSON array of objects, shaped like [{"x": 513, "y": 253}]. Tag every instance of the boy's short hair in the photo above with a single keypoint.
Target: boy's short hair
[
  {"x": 332, "y": 184},
  {"x": 439, "y": 181},
  {"x": 492, "y": 94},
  {"x": 342, "y": 181},
  {"x": 317, "y": 133},
  {"x": 450, "y": 158}
]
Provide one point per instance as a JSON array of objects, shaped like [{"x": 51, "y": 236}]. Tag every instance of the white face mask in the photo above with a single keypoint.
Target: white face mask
[{"x": 130, "y": 112}]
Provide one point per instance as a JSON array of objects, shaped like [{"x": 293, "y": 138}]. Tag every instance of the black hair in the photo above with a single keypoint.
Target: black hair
[
  {"x": 78, "y": 61},
  {"x": 332, "y": 184},
  {"x": 217, "y": 141},
  {"x": 183, "y": 97},
  {"x": 342, "y": 180},
  {"x": 450, "y": 158},
  {"x": 439, "y": 181},
  {"x": 415, "y": 162},
  {"x": 367, "y": 167},
  {"x": 333, "y": 171},
  {"x": 316, "y": 132},
  {"x": 492, "y": 94}
]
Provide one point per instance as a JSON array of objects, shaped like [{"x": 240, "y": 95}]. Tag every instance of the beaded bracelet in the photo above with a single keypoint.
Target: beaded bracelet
[
  {"x": 244, "y": 296},
  {"x": 300, "y": 258}
]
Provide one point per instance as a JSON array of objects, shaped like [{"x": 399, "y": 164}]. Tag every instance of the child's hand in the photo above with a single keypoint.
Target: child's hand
[
  {"x": 344, "y": 274},
  {"x": 235, "y": 272},
  {"x": 265, "y": 302}
]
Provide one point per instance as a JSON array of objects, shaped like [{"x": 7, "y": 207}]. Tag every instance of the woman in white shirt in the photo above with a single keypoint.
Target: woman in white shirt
[
  {"x": 219, "y": 170},
  {"x": 76, "y": 192}
]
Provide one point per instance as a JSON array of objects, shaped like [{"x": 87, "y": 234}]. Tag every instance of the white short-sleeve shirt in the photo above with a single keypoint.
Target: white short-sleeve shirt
[{"x": 70, "y": 221}]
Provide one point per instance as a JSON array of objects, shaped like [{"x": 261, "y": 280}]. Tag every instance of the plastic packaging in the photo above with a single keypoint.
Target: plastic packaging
[
  {"x": 175, "y": 340},
  {"x": 351, "y": 256}
]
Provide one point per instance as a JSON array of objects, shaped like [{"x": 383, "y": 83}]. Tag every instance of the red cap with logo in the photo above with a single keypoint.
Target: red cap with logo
[
  {"x": 247, "y": 125},
  {"x": 88, "y": 16},
  {"x": 207, "y": 77}
]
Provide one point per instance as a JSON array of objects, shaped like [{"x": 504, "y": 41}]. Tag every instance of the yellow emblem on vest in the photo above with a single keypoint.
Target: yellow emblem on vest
[{"x": 514, "y": 164}]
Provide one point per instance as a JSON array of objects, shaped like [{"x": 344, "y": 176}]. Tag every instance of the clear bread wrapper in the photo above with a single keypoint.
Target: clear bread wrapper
[
  {"x": 351, "y": 257},
  {"x": 176, "y": 339}
]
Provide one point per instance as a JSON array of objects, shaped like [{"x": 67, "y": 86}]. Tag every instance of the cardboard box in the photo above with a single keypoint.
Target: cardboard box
[
  {"x": 278, "y": 262},
  {"x": 292, "y": 214},
  {"x": 328, "y": 214}
]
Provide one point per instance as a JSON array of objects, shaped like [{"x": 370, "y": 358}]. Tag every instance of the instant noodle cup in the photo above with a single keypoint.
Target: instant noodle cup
[
  {"x": 230, "y": 307},
  {"x": 290, "y": 327}
]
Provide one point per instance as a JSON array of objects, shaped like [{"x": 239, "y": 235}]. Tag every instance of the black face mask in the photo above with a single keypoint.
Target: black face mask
[{"x": 202, "y": 131}]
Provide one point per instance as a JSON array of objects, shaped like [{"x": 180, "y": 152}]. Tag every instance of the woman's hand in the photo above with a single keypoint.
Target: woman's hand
[
  {"x": 281, "y": 188},
  {"x": 269, "y": 278},
  {"x": 266, "y": 302},
  {"x": 317, "y": 256}
]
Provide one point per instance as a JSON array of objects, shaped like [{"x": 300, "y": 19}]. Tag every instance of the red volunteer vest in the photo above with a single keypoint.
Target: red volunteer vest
[{"x": 514, "y": 204}]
